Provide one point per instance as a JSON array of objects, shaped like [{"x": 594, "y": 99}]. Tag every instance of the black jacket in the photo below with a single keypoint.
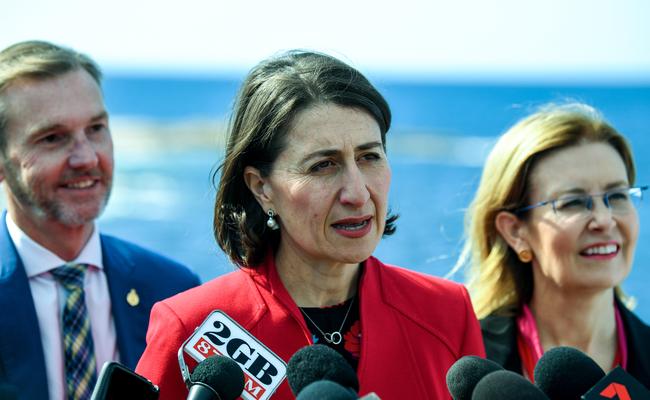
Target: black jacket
[{"x": 500, "y": 338}]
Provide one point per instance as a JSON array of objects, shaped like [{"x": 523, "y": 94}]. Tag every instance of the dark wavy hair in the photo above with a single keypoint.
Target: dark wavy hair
[{"x": 272, "y": 94}]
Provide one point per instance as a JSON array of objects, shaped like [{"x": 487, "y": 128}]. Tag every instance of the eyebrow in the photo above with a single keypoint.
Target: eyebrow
[
  {"x": 51, "y": 127},
  {"x": 332, "y": 152},
  {"x": 579, "y": 191}
]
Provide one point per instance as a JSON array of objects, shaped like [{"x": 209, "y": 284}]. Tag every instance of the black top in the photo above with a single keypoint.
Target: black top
[
  {"x": 329, "y": 320},
  {"x": 500, "y": 338}
]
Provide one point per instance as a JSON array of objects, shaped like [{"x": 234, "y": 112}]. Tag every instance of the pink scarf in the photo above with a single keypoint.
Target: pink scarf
[{"x": 530, "y": 347}]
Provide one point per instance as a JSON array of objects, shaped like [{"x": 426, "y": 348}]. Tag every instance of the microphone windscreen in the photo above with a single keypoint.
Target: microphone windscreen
[
  {"x": 463, "y": 376},
  {"x": 325, "y": 390},
  {"x": 566, "y": 373},
  {"x": 319, "y": 362},
  {"x": 506, "y": 385},
  {"x": 221, "y": 374}
]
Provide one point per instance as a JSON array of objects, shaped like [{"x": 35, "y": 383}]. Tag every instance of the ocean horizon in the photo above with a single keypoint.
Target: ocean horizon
[{"x": 169, "y": 135}]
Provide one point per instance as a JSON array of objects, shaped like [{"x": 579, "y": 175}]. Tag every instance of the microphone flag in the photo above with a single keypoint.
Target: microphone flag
[
  {"x": 617, "y": 385},
  {"x": 219, "y": 334}
]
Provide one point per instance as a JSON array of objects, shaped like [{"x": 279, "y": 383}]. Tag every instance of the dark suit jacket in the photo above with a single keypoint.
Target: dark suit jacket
[
  {"x": 500, "y": 338},
  {"x": 126, "y": 266}
]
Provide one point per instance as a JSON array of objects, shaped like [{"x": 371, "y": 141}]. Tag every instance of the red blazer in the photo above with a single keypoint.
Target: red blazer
[{"x": 414, "y": 327}]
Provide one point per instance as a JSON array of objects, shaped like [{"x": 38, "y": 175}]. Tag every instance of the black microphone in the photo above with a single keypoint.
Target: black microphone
[
  {"x": 463, "y": 376},
  {"x": 319, "y": 362},
  {"x": 506, "y": 385},
  {"x": 325, "y": 390},
  {"x": 116, "y": 381},
  {"x": 566, "y": 373},
  {"x": 216, "y": 378}
]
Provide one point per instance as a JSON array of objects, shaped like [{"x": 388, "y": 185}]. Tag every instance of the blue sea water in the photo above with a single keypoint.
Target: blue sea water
[{"x": 165, "y": 201}]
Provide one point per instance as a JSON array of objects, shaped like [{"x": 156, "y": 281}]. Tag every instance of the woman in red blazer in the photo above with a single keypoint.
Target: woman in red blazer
[{"x": 301, "y": 206}]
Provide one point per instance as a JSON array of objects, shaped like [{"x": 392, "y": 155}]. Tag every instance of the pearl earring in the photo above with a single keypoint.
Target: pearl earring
[{"x": 271, "y": 222}]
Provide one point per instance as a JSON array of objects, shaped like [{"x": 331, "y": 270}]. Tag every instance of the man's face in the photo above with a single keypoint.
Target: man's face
[{"x": 58, "y": 160}]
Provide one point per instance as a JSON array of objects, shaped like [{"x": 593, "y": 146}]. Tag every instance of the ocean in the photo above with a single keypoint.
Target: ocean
[{"x": 441, "y": 133}]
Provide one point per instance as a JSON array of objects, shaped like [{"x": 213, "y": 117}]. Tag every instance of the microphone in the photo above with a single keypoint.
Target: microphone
[
  {"x": 506, "y": 385},
  {"x": 216, "y": 378},
  {"x": 325, "y": 390},
  {"x": 319, "y": 362},
  {"x": 566, "y": 373},
  {"x": 463, "y": 376},
  {"x": 116, "y": 381}
]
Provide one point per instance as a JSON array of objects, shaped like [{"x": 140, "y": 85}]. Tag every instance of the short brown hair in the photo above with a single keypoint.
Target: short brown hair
[{"x": 38, "y": 60}]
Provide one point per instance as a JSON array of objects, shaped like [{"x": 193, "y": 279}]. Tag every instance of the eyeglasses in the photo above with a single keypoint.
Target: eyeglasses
[{"x": 619, "y": 201}]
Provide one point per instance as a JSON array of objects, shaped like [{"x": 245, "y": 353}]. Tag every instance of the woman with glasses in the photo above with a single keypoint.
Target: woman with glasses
[{"x": 551, "y": 236}]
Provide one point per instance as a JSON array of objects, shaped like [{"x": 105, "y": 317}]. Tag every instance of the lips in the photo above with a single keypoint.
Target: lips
[
  {"x": 355, "y": 227},
  {"x": 605, "y": 249},
  {"x": 352, "y": 224},
  {"x": 80, "y": 180},
  {"x": 80, "y": 184}
]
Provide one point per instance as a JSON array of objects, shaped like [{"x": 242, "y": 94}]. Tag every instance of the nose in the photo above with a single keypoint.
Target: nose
[
  {"x": 354, "y": 191},
  {"x": 84, "y": 154},
  {"x": 601, "y": 216}
]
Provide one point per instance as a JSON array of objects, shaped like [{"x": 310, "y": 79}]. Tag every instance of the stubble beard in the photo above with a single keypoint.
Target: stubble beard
[{"x": 46, "y": 208}]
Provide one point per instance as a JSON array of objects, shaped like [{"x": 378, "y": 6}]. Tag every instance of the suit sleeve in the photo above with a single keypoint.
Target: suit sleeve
[
  {"x": 159, "y": 362},
  {"x": 473, "y": 342}
]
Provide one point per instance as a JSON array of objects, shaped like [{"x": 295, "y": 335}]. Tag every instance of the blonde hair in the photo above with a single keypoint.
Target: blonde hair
[{"x": 498, "y": 281}]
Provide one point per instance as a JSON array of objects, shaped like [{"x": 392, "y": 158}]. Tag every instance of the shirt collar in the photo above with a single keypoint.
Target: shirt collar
[{"x": 37, "y": 259}]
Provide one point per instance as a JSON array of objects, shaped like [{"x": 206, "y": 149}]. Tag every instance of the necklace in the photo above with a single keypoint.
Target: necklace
[{"x": 331, "y": 337}]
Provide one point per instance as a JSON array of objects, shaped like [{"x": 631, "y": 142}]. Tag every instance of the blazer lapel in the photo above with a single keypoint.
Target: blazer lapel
[
  {"x": 22, "y": 362},
  {"x": 382, "y": 332},
  {"x": 638, "y": 344},
  {"x": 118, "y": 268},
  {"x": 500, "y": 339}
]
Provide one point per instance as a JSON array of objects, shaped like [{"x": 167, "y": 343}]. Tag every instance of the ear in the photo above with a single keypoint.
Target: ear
[
  {"x": 259, "y": 186},
  {"x": 512, "y": 230}
]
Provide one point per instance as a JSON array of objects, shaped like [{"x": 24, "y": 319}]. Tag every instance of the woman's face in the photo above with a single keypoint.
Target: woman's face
[
  {"x": 329, "y": 186},
  {"x": 593, "y": 251}
]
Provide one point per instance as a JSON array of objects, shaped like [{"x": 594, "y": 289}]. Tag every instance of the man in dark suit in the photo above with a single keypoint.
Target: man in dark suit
[{"x": 71, "y": 298}]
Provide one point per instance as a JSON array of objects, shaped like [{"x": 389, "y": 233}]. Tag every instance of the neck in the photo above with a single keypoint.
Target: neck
[
  {"x": 584, "y": 321},
  {"x": 64, "y": 241},
  {"x": 316, "y": 284}
]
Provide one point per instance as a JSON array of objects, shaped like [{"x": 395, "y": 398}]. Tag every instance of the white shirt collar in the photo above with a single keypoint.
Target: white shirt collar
[{"x": 37, "y": 259}]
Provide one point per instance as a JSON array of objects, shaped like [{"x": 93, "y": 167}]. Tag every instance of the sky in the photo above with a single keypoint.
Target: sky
[{"x": 570, "y": 38}]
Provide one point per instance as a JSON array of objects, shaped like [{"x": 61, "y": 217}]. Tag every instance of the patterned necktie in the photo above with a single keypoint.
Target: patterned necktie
[{"x": 80, "y": 364}]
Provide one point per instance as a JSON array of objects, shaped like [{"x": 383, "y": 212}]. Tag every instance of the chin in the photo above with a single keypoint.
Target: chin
[
  {"x": 75, "y": 222},
  {"x": 353, "y": 258},
  {"x": 599, "y": 285},
  {"x": 77, "y": 217}
]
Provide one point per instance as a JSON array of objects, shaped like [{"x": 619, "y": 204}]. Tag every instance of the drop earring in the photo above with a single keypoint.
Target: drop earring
[{"x": 271, "y": 222}]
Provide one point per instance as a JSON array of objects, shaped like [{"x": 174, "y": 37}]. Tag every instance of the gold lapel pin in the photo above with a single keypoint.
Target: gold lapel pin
[{"x": 132, "y": 298}]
